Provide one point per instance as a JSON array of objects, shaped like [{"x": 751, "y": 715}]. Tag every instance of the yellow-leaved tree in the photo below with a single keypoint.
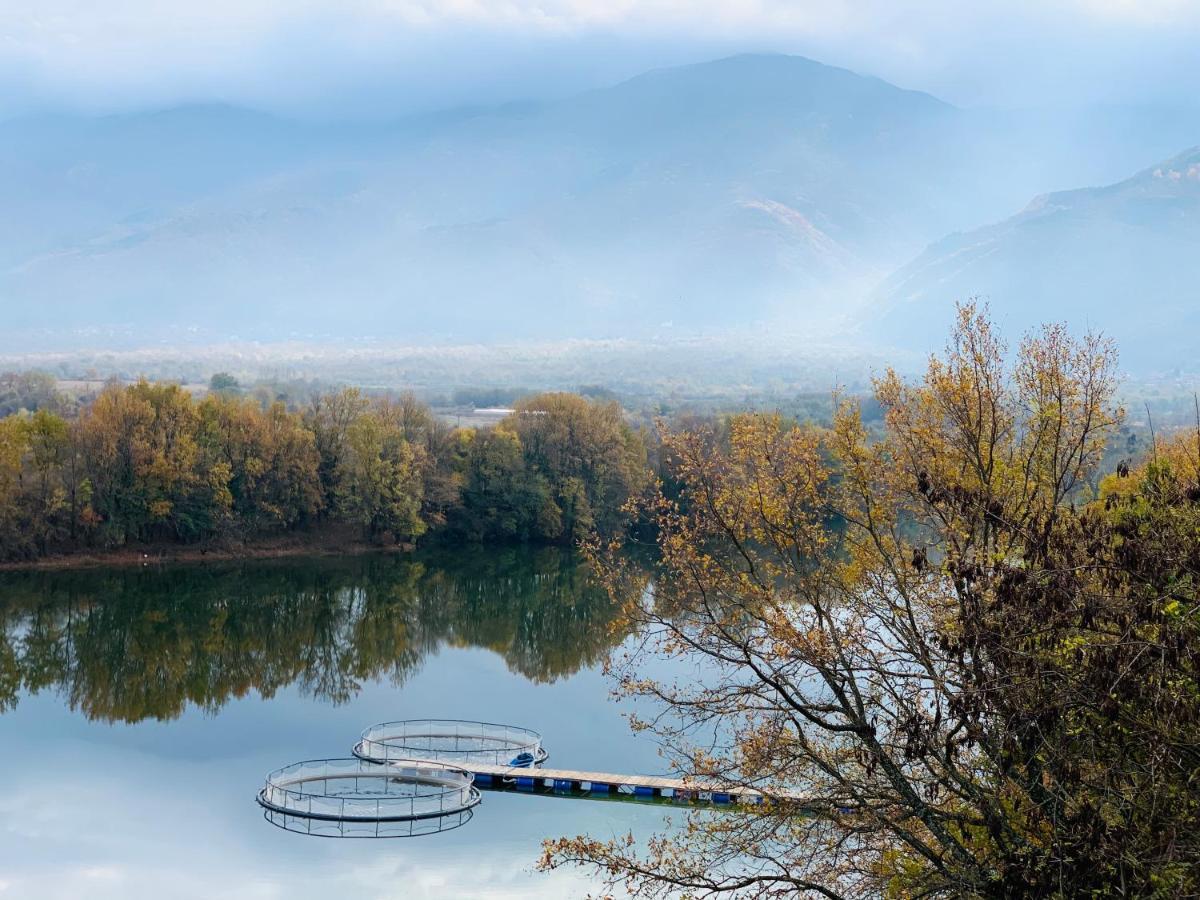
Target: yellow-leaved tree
[{"x": 948, "y": 663}]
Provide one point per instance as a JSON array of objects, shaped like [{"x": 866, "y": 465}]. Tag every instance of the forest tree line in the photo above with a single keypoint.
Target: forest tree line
[{"x": 149, "y": 462}]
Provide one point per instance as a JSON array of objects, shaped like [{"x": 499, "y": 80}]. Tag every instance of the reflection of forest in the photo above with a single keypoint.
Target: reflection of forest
[{"x": 127, "y": 645}]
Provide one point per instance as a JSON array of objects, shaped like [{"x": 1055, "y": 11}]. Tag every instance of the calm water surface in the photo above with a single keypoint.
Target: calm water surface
[{"x": 140, "y": 710}]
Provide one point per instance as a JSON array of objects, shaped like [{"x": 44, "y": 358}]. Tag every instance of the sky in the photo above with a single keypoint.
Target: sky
[{"x": 366, "y": 58}]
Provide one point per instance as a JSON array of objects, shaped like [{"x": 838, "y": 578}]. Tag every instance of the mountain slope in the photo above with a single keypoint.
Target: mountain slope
[
  {"x": 753, "y": 190},
  {"x": 718, "y": 194},
  {"x": 1124, "y": 259}
]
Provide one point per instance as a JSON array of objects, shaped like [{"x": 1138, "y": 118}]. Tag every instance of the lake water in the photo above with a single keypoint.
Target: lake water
[{"x": 141, "y": 708}]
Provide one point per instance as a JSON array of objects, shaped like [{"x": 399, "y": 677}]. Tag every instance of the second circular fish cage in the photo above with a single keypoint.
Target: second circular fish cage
[{"x": 451, "y": 741}]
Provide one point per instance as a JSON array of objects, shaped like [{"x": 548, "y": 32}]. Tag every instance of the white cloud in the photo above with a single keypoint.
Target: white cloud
[
  {"x": 1165, "y": 13},
  {"x": 117, "y": 21},
  {"x": 135, "y": 825},
  {"x": 297, "y": 52}
]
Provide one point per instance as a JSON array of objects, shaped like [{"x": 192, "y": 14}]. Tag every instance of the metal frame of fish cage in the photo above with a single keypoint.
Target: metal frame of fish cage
[
  {"x": 399, "y": 828},
  {"x": 454, "y": 741},
  {"x": 355, "y": 797}
]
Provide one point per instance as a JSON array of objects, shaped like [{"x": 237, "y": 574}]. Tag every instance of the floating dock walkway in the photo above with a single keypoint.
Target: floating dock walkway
[
  {"x": 569, "y": 781},
  {"x": 504, "y": 757}
]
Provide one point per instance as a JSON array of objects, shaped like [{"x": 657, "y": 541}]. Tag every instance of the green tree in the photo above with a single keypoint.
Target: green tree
[
  {"x": 224, "y": 383},
  {"x": 48, "y": 440},
  {"x": 380, "y": 479},
  {"x": 29, "y": 392},
  {"x": 592, "y": 460},
  {"x": 14, "y": 444},
  {"x": 502, "y": 499},
  {"x": 329, "y": 417}
]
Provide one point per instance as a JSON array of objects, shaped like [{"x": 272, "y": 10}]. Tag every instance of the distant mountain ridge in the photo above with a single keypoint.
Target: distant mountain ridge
[
  {"x": 752, "y": 190},
  {"x": 717, "y": 194},
  {"x": 1123, "y": 258}
]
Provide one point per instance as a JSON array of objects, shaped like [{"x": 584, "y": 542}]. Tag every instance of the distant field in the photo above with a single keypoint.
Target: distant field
[
  {"x": 472, "y": 418},
  {"x": 728, "y": 366},
  {"x": 83, "y": 387}
]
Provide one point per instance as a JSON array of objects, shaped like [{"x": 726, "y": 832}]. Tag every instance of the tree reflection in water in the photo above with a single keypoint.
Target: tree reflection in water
[{"x": 132, "y": 644}]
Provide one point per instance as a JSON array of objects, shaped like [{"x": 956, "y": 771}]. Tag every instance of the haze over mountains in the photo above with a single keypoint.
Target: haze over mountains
[
  {"x": 1123, "y": 259},
  {"x": 750, "y": 192}
]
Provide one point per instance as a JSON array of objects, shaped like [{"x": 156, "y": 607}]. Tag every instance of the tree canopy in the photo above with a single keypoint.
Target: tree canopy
[
  {"x": 148, "y": 462},
  {"x": 955, "y": 660}
]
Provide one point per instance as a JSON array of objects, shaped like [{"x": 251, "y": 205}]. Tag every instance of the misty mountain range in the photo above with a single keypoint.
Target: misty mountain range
[
  {"x": 1123, "y": 259},
  {"x": 750, "y": 192}
]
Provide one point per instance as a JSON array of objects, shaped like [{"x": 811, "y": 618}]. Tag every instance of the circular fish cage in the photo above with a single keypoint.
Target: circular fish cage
[
  {"x": 357, "y": 798},
  {"x": 342, "y": 828},
  {"x": 451, "y": 741}
]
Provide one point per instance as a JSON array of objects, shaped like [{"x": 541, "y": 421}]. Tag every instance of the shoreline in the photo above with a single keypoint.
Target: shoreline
[{"x": 160, "y": 554}]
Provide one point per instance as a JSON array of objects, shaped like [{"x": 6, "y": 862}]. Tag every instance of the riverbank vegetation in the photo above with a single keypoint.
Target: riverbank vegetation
[
  {"x": 984, "y": 683},
  {"x": 148, "y": 463}
]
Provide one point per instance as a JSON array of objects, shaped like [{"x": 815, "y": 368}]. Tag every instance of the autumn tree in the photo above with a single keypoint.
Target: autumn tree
[
  {"x": 32, "y": 495},
  {"x": 147, "y": 462},
  {"x": 949, "y": 669},
  {"x": 147, "y": 475},
  {"x": 271, "y": 459}
]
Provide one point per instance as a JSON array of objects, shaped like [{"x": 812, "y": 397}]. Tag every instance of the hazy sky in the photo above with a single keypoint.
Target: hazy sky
[{"x": 367, "y": 57}]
